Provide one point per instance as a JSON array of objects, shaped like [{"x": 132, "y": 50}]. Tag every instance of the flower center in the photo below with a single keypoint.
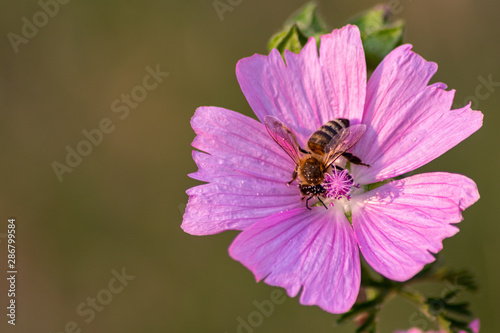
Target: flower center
[{"x": 338, "y": 183}]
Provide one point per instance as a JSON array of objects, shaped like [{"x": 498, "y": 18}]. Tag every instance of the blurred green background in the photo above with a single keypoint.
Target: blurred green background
[{"x": 122, "y": 206}]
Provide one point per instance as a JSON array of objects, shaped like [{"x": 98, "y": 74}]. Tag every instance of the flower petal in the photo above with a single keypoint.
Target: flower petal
[
  {"x": 397, "y": 224},
  {"x": 344, "y": 69},
  {"x": 246, "y": 169},
  {"x": 474, "y": 325},
  {"x": 308, "y": 92},
  {"x": 408, "y": 123},
  {"x": 315, "y": 250},
  {"x": 414, "y": 330}
]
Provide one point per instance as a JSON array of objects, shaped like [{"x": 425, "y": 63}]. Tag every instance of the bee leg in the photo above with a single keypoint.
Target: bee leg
[
  {"x": 307, "y": 202},
  {"x": 353, "y": 159},
  {"x": 304, "y": 151},
  {"x": 294, "y": 176},
  {"x": 322, "y": 202}
]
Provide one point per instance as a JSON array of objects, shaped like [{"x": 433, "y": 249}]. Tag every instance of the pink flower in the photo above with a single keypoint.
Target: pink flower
[
  {"x": 396, "y": 226},
  {"x": 474, "y": 325}
]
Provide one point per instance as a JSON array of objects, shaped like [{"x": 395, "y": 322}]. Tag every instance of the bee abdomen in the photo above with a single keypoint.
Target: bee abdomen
[{"x": 319, "y": 139}]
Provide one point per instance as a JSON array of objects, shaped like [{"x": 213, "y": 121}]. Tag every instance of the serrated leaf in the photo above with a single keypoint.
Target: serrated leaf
[
  {"x": 459, "y": 308},
  {"x": 292, "y": 40},
  {"x": 462, "y": 278},
  {"x": 451, "y": 295},
  {"x": 379, "y": 35},
  {"x": 457, "y": 326},
  {"x": 379, "y": 43},
  {"x": 297, "y": 29},
  {"x": 372, "y": 20},
  {"x": 307, "y": 20}
]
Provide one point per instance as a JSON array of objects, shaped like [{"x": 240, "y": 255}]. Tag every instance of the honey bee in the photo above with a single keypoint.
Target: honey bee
[{"x": 326, "y": 145}]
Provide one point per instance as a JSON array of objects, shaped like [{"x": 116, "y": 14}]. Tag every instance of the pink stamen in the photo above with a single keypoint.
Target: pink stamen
[{"x": 338, "y": 184}]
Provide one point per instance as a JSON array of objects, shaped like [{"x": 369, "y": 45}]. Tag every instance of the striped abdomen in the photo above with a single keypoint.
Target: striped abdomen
[{"x": 319, "y": 139}]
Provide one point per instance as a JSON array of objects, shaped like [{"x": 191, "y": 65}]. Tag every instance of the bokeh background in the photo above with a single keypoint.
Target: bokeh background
[{"x": 122, "y": 206}]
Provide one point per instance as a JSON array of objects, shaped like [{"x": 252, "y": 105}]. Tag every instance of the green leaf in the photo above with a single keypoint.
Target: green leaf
[
  {"x": 358, "y": 308},
  {"x": 372, "y": 19},
  {"x": 378, "y": 33},
  {"x": 459, "y": 308},
  {"x": 379, "y": 43},
  {"x": 307, "y": 20},
  {"x": 292, "y": 40},
  {"x": 456, "y": 325},
  {"x": 297, "y": 29},
  {"x": 462, "y": 278}
]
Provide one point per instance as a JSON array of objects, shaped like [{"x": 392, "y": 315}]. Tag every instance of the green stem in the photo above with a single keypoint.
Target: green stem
[{"x": 419, "y": 299}]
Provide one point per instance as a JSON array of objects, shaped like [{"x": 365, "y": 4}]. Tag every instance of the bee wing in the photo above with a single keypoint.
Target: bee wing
[
  {"x": 283, "y": 137},
  {"x": 340, "y": 143}
]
